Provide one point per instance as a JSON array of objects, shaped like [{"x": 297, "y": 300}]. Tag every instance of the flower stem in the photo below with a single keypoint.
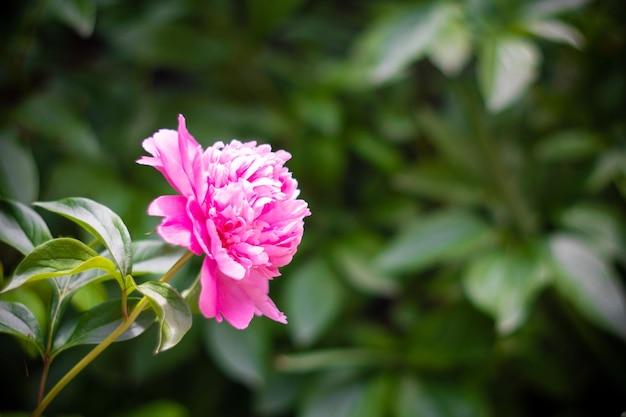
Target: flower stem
[
  {"x": 93, "y": 354},
  {"x": 44, "y": 377},
  {"x": 176, "y": 267},
  {"x": 90, "y": 357}
]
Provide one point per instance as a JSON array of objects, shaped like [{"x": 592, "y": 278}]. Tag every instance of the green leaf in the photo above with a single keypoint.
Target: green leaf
[
  {"x": 507, "y": 66},
  {"x": 433, "y": 398},
  {"x": 321, "y": 111},
  {"x": 21, "y": 227},
  {"x": 328, "y": 359},
  {"x": 451, "y": 338},
  {"x": 19, "y": 179},
  {"x": 451, "y": 50},
  {"x": 600, "y": 225},
  {"x": 154, "y": 257},
  {"x": 400, "y": 38},
  {"x": 432, "y": 239},
  {"x": 549, "y": 8},
  {"x": 278, "y": 394},
  {"x": 266, "y": 16},
  {"x": 609, "y": 168},
  {"x": 437, "y": 180},
  {"x": 241, "y": 354},
  {"x": 172, "y": 311},
  {"x": 504, "y": 284},
  {"x": 359, "y": 398},
  {"x": 78, "y": 14},
  {"x": 589, "y": 283},
  {"x": 376, "y": 152},
  {"x": 33, "y": 298},
  {"x": 102, "y": 223},
  {"x": 569, "y": 145},
  {"x": 149, "y": 257},
  {"x": 456, "y": 148},
  {"x": 19, "y": 321},
  {"x": 557, "y": 31},
  {"x": 98, "y": 323},
  {"x": 89, "y": 296},
  {"x": 165, "y": 41},
  {"x": 56, "y": 258},
  {"x": 313, "y": 300},
  {"x": 358, "y": 270},
  {"x": 158, "y": 408}
]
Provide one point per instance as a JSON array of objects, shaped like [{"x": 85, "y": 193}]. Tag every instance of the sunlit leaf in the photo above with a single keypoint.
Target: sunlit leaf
[
  {"x": 241, "y": 354},
  {"x": 313, "y": 301},
  {"x": 589, "y": 283},
  {"x": 504, "y": 284},
  {"x": 56, "y": 258},
  {"x": 506, "y": 67},
  {"x": 78, "y": 14},
  {"x": 401, "y": 37},
  {"x": 452, "y": 48},
  {"x": 19, "y": 179},
  {"x": 601, "y": 227},
  {"x": 98, "y": 323},
  {"x": 33, "y": 299},
  {"x": 21, "y": 227},
  {"x": 19, "y": 321},
  {"x": 101, "y": 222},
  {"x": 172, "y": 311},
  {"x": 557, "y": 31},
  {"x": 432, "y": 239}
]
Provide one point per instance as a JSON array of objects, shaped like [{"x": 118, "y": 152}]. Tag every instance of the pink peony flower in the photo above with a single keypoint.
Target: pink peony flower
[{"x": 237, "y": 206}]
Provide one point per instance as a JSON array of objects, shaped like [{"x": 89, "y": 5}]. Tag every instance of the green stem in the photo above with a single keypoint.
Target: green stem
[
  {"x": 89, "y": 357},
  {"x": 177, "y": 266},
  {"x": 95, "y": 352},
  {"x": 44, "y": 377}
]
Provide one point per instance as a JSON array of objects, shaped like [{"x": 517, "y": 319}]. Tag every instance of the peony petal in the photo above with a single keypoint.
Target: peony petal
[
  {"x": 165, "y": 147},
  {"x": 225, "y": 263},
  {"x": 256, "y": 287},
  {"x": 176, "y": 226},
  {"x": 190, "y": 153},
  {"x": 239, "y": 207},
  {"x": 222, "y": 296},
  {"x": 208, "y": 292}
]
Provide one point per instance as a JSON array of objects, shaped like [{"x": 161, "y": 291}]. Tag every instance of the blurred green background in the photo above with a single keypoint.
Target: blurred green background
[{"x": 464, "y": 161}]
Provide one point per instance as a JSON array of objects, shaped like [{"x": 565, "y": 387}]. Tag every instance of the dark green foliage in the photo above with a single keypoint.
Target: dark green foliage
[{"x": 465, "y": 166}]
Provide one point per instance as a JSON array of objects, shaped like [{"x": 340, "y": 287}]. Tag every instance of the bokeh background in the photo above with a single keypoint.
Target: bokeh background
[{"x": 464, "y": 161}]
